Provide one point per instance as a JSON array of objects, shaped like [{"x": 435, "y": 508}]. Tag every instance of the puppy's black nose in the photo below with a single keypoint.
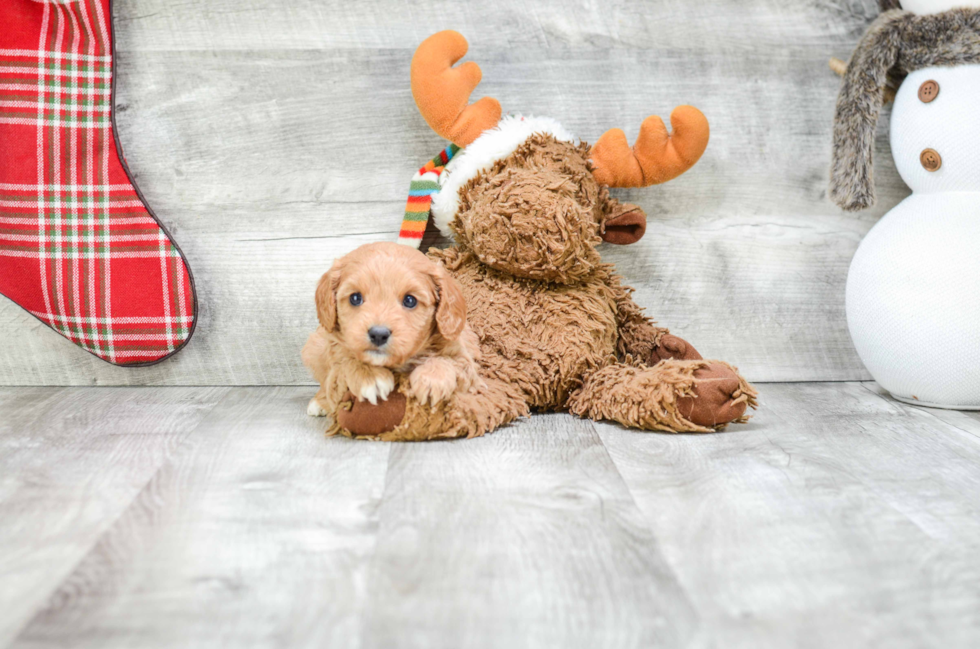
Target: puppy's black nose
[{"x": 379, "y": 335}]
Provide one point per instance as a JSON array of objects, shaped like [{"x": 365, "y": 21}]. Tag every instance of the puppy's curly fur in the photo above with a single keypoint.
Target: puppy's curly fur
[{"x": 430, "y": 344}]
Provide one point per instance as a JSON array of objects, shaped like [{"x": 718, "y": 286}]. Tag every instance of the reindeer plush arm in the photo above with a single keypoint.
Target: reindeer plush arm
[{"x": 640, "y": 337}]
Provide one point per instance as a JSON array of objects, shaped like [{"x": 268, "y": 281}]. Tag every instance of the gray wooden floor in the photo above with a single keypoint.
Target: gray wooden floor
[{"x": 207, "y": 517}]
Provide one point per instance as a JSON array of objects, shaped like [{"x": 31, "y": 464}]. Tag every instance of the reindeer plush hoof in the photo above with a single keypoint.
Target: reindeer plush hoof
[
  {"x": 363, "y": 419},
  {"x": 672, "y": 347},
  {"x": 719, "y": 397},
  {"x": 403, "y": 418}
]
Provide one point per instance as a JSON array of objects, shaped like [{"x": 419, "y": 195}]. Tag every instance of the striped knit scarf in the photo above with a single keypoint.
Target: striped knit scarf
[{"x": 425, "y": 184}]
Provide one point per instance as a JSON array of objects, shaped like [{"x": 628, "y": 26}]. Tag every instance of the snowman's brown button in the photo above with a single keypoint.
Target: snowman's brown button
[
  {"x": 928, "y": 91},
  {"x": 931, "y": 159}
]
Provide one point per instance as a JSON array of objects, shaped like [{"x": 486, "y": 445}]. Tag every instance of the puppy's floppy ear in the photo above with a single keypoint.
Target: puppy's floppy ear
[
  {"x": 451, "y": 310},
  {"x": 326, "y": 297},
  {"x": 858, "y": 106}
]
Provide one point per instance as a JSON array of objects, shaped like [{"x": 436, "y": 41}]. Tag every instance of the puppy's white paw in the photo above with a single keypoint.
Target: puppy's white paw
[
  {"x": 314, "y": 409},
  {"x": 379, "y": 388}
]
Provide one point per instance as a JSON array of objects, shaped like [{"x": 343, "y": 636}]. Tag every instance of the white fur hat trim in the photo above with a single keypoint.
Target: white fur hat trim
[{"x": 494, "y": 144}]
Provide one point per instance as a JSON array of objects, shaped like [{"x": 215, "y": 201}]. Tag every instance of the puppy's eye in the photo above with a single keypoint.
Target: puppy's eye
[
  {"x": 356, "y": 299},
  {"x": 409, "y": 302}
]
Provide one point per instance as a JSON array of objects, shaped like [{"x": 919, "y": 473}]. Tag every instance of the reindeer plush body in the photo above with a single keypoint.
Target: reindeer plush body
[{"x": 528, "y": 205}]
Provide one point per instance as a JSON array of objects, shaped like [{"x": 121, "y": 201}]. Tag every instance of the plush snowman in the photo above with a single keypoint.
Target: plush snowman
[{"x": 913, "y": 290}]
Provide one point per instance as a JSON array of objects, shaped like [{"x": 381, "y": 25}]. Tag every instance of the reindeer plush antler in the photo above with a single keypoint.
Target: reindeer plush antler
[
  {"x": 442, "y": 95},
  {"x": 656, "y": 157},
  {"x": 442, "y": 92}
]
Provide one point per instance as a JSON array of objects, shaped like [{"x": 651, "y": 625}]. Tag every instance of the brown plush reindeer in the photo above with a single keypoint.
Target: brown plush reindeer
[{"x": 528, "y": 205}]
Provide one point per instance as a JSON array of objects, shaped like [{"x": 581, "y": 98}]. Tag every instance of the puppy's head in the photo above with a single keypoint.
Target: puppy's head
[{"x": 387, "y": 301}]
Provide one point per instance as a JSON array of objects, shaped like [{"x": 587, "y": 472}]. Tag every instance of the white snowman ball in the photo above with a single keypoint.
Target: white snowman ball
[{"x": 913, "y": 290}]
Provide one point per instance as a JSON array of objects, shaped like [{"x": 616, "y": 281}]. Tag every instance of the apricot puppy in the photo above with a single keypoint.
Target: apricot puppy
[{"x": 386, "y": 308}]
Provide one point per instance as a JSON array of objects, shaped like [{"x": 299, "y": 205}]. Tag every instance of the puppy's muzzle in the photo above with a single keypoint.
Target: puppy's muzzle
[{"x": 379, "y": 335}]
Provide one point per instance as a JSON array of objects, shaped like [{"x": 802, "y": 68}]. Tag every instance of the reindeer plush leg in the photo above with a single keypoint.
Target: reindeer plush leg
[
  {"x": 624, "y": 223},
  {"x": 673, "y": 395}
]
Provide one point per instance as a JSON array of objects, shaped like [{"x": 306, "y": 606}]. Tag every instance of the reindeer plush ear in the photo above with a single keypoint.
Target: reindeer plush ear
[
  {"x": 451, "y": 311},
  {"x": 326, "y": 298},
  {"x": 858, "y": 107}
]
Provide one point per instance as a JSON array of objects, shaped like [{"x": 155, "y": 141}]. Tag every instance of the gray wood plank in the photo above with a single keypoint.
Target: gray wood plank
[
  {"x": 836, "y": 518},
  {"x": 381, "y": 24},
  {"x": 71, "y": 461},
  {"x": 963, "y": 420},
  {"x": 525, "y": 538},
  {"x": 272, "y": 138},
  {"x": 257, "y": 533}
]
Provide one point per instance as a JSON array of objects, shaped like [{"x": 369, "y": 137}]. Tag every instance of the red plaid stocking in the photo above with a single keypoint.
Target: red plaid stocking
[{"x": 79, "y": 248}]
